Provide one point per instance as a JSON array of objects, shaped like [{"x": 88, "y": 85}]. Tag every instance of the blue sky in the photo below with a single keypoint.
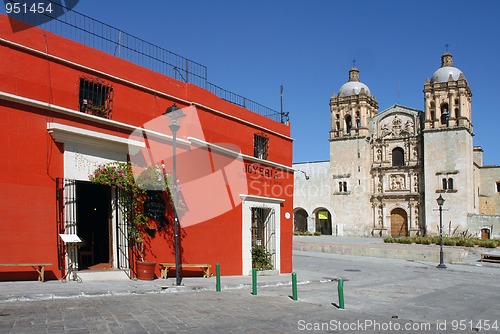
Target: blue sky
[{"x": 253, "y": 47}]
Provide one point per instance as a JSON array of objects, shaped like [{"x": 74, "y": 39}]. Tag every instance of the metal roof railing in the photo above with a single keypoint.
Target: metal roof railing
[{"x": 96, "y": 34}]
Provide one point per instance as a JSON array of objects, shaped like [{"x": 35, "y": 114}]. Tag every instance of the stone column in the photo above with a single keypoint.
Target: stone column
[
  {"x": 450, "y": 107},
  {"x": 435, "y": 121},
  {"x": 410, "y": 216}
]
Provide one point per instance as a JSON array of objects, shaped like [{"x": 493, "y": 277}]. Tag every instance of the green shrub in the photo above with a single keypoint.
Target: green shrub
[
  {"x": 434, "y": 240},
  {"x": 406, "y": 240},
  {"x": 449, "y": 242},
  {"x": 426, "y": 241},
  {"x": 419, "y": 240},
  {"x": 469, "y": 243},
  {"x": 463, "y": 240},
  {"x": 306, "y": 233},
  {"x": 261, "y": 258},
  {"x": 413, "y": 240},
  {"x": 488, "y": 243}
]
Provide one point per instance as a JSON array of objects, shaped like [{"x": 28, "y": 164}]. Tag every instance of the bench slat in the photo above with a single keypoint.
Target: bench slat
[
  {"x": 39, "y": 267},
  {"x": 165, "y": 266}
]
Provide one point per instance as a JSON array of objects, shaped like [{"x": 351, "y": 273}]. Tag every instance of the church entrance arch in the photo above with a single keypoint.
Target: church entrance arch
[
  {"x": 300, "y": 220},
  {"x": 399, "y": 223},
  {"x": 323, "y": 221}
]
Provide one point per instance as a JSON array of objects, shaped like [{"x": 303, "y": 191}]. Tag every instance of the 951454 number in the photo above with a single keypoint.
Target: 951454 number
[
  {"x": 28, "y": 8},
  {"x": 486, "y": 325}
]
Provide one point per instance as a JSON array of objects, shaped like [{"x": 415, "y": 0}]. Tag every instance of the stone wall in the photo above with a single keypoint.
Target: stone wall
[
  {"x": 479, "y": 222},
  {"x": 489, "y": 198},
  {"x": 312, "y": 189}
]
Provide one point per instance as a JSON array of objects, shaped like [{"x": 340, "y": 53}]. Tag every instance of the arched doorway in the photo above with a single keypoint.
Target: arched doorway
[
  {"x": 300, "y": 220},
  {"x": 399, "y": 223},
  {"x": 323, "y": 221},
  {"x": 485, "y": 233}
]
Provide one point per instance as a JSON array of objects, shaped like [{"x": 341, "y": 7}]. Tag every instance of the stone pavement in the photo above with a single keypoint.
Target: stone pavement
[
  {"x": 378, "y": 292},
  {"x": 202, "y": 312}
]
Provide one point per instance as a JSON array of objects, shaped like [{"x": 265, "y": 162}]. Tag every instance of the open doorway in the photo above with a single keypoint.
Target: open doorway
[
  {"x": 93, "y": 212},
  {"x": 300, "y": 220},
  {"x": 323, "y": 222}
]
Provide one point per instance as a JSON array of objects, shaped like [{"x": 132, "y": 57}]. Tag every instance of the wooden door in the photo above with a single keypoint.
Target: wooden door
[
  {"x": 485, "y": 234},
  {"x": 399, "y": 223}
]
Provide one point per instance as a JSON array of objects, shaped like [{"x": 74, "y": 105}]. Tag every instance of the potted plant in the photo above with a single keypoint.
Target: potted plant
[{"x": 136, "y": 204}]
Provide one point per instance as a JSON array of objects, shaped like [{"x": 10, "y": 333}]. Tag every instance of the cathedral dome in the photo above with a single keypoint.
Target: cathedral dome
[
  {"x": 353, "y": 86},
  {"x": 443, "y": 73}
]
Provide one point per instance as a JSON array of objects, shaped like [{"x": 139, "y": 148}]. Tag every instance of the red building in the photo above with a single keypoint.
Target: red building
[{"x": 67, "y": 108}]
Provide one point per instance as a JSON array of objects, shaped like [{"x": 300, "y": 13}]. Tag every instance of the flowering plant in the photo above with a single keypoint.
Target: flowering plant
[
  {"x": 153, "y": 178},
  {"x": 114, "y": 174},
  {"x": 130, "y": 197},
  {"x": 142, "y": 199}
]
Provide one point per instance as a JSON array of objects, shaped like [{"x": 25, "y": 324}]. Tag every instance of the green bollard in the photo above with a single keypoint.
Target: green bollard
[
  {"x": 294, "y": 286},
  {"x": 341, "y": 293},
  {"x": 254, "y": 281},
  {"x": 217, "y": 277}
]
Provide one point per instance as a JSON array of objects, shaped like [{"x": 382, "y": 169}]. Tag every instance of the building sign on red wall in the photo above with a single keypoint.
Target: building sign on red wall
[{"x": 259, "y": 171}]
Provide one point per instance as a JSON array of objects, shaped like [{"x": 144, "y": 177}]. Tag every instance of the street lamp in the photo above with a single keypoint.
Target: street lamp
[
  {"x": 174, "y": 113},
  {"x": 440, "y": 201}
]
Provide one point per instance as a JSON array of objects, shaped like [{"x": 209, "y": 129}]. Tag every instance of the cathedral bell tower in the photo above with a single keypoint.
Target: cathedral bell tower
[
  {"x": 352, "y": 108},
  {"x": 350, "y": 155},
  {"x": 448, "y": 147},
  {"x": 447, "y": 97}
]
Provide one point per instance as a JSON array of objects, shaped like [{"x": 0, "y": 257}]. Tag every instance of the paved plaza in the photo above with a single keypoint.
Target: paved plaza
[{"x": 381, "y": 296}]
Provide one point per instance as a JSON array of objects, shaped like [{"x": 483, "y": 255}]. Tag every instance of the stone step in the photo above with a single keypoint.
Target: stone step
[{"x": 103, "y": 275}]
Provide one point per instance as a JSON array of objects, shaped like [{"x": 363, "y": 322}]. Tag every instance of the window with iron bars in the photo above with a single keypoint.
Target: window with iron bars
[
  {"x": 95, "y": 97},
  {"x": 260, "y": 146}
]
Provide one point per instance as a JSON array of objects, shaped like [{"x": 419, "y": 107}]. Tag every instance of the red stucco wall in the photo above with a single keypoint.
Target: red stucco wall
[{"x": 32, "y": 160}]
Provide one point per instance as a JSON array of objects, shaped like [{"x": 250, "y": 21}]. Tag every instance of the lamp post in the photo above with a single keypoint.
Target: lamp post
[
  {"x": 175, "y": 113},
  {"x": 440, "y": 201}
]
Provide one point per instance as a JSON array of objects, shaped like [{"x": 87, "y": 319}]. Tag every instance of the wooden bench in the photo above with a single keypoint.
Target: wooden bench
[
  {"x": 493, "y": 256},
  {"x": 39, "y": 267},
  {"x": 165, "y": 267}
]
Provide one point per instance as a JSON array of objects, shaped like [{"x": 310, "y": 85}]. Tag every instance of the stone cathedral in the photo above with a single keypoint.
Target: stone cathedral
[{"x": 387, "y": 168}]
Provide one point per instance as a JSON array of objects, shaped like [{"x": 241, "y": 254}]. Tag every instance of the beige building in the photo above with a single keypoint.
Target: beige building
[{"x": 387, "y": 168}]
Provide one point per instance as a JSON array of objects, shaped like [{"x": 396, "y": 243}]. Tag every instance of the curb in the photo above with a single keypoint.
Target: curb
[{"x": 156, "y": 290}]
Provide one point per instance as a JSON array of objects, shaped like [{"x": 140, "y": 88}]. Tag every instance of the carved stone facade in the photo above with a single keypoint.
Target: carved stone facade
[{"x": 396, "y": 143}]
